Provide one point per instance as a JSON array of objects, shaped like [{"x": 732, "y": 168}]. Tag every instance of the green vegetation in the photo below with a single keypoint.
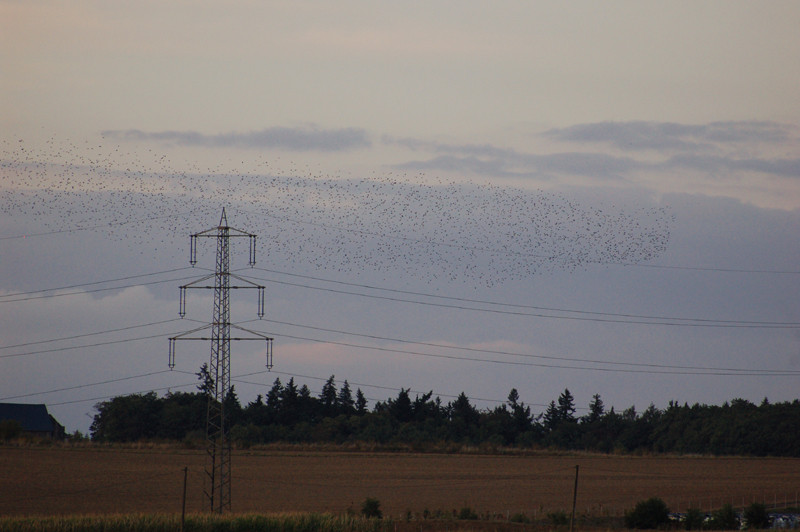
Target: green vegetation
[
  {"x": 291, "y": 414},
  {"x": 652, "y": 513},
  {"x": 756, "y": 517},
  {"x": 519, "y": 518},
  {"x": 559, "y": 518},
  {"x": 723, "y": 519},
  {"x": 303, "y": 522},
  {"x": 467, "y": 513},
  {"x": 371, "y": 508},
  {"x": 693, "y": 520}
]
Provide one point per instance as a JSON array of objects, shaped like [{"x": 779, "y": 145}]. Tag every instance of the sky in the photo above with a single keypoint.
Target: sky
[{"x": 448, "y": 197}]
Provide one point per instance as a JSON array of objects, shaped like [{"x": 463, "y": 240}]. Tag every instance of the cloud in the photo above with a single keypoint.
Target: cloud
[
  {"x": 477, "y": 159},
  {"x": 670, "y": 136},
  {"x": 713, "y": 164},
  {"x": 485, "y": 159},
  {"x": 520, "y": 165},
  {"x": 714, "y": 149},
  {"x": 286, "y": 138}
]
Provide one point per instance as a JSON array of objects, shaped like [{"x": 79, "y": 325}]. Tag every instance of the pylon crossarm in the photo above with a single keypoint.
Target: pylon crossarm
[
  {"x": 231, "y": 338},
  {"x": 183, "y": 334},
  {"x": 250, "y": 283},
  {"x": 232, "y": 232},
  {"x": 199, "y": 280},
  {"x": 258, "y": 334}
]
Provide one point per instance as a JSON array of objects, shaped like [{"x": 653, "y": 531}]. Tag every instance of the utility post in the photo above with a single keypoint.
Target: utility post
[
  {"x": 574, "y": 501},
  {"x": 218, "y": 469}
]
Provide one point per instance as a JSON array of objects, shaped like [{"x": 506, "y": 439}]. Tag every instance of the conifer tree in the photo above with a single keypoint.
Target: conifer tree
[
  {"x": 361, "y": 403},
  {"x": 345, "y": 400}
]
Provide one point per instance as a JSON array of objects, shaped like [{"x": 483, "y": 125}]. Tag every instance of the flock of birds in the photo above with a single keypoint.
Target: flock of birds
[{"x": 397, "y": 225}]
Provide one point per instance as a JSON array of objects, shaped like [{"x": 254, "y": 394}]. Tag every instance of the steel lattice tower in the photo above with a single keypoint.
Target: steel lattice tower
[{"x": 217, "y": 386}]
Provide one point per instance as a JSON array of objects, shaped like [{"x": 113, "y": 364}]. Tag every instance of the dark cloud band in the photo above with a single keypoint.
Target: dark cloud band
[
  {"x": 670, "y": 136},
  {"x": 713, "y": 148}
]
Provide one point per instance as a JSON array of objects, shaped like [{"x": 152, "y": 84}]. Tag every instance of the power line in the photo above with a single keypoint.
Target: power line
[
  {"x": 512, "y": 305},
  {"x": 509, "y": 353},
  {"x": 70, "y": 287},
  {"x": 97, "y": 344},
  {"x": 625, "y": 318},
  {"x": 742, "y": 373},
  {"x": 97, "y": 333},
  {"x": 121, "y": 395},
  {"x": 29, "y": 298},
  {"x": 699, "y": 370},
  {"x": 634, "y": 319},
  {"x": 80, "y": 386}
]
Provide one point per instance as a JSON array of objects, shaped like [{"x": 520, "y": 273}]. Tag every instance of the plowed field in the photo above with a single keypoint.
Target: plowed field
[{"x": 89, "y": 480}]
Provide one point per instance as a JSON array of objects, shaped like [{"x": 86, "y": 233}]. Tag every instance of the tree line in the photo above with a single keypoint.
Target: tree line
[{"x": 291, "y": 413}]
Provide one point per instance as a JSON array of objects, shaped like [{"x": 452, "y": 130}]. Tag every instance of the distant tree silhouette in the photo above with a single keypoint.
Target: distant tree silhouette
[
  {"x": 345, "y": 400},
  {"x": 361, "y": 403},
  {"x": 566, "y": 406},
  {"x": 290, "y": 413}
]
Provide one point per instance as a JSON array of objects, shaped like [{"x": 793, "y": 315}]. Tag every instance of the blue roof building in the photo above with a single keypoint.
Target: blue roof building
[{"x": 34, "y": 419}]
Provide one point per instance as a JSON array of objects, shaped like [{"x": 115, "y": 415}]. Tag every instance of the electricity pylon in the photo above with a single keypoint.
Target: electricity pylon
[{"x": 217, "y": 385}]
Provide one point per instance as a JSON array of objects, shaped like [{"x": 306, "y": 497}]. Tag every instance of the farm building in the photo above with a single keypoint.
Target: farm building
[{"x": 33, "y": 419}]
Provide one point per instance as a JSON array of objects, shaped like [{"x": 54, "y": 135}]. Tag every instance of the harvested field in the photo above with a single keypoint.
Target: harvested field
[{"x": 56, "y": 480}]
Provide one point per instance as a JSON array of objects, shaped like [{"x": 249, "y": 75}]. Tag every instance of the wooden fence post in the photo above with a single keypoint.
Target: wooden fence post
[
  {"x": 183, "y": 506},
  {"x": 574, "y": 500}
]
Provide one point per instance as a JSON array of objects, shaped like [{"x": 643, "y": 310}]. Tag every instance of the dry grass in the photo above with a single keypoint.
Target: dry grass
[
  {"x": 194, "y": 522},
  {"x": 91, "y": 480}
]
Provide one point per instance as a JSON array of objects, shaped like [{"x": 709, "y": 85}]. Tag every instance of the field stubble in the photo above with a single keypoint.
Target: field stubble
[{"x": 64, "y": 481}]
